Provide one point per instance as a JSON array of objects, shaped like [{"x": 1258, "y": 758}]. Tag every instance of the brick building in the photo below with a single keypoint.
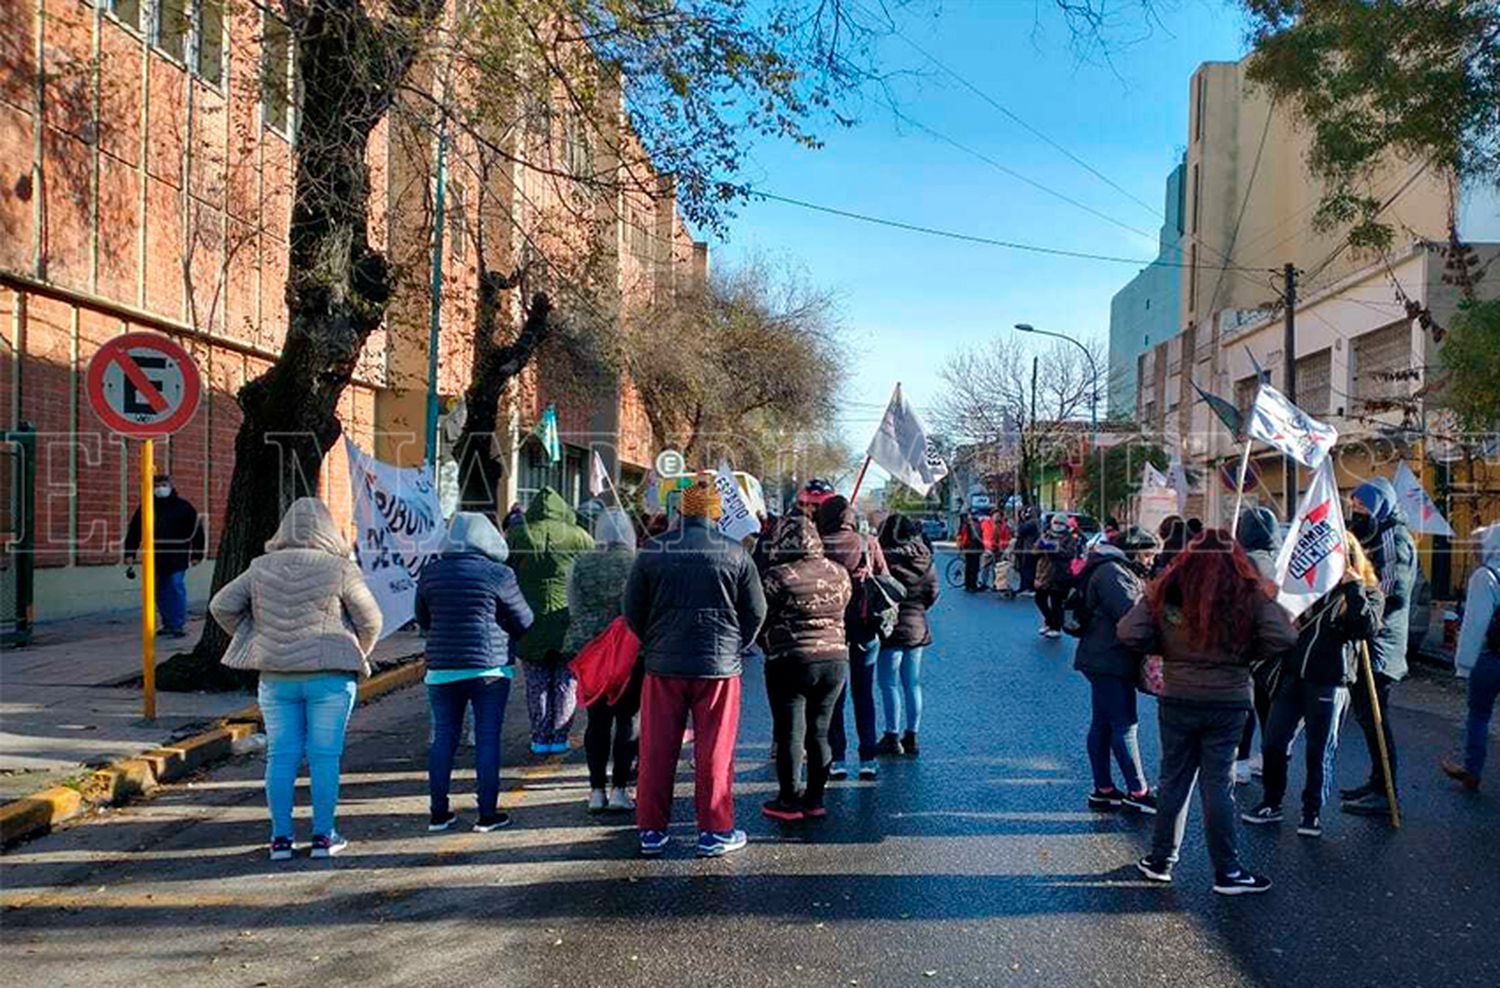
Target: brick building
[{"x": 146, "y": 155}]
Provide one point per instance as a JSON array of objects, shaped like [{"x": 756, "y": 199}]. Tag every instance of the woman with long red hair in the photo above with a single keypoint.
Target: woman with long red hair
[{"x": 1209, "y": 617}]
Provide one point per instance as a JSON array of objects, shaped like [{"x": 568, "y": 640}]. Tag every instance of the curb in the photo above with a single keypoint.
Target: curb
[{"x": 121, "y": 781}]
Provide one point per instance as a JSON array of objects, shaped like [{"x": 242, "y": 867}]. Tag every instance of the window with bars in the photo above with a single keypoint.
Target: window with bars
[
  {"x": 1314, "y": 382},
  {"x": 1382, "y": 363}
]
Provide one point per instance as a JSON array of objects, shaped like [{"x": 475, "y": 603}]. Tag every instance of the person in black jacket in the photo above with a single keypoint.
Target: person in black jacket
[
  {"x": 807, "y": 662},
  {"x": 1259, "y": 535},
  {"x": 695, "y": 601},
  {"x": 899, "y": 667},
  {"x": 1028, "y": 531},
  {"x": 1314, "y": 688},
  {"x": 179, "y": 542},
  {"x": 1111, "y": 583}
]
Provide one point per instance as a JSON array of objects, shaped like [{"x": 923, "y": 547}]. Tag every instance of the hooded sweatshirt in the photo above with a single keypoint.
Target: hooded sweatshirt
[
  {"x": 306, "y": 599},
  {"x": 596, "y": 586},
  {"x": 1260, "y": 536},
  {"x": 542, "y": 552},
  {"x": 806, "y": 594},
  {"x": 910, "y": 560},
  {"x": 1392, "y": 552},
  {"x": 468, "y": 601},
  {"x": 1110, "y": 585},
  {"x": 858, "y": 554},
  {"x": 1481, "y": 603}
]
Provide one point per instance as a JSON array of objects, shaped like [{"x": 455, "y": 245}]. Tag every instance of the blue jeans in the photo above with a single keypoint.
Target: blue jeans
[
  {"x": 305, "y": 718},
  {"x": 900, "y": 673},
  {"x": 171, "y": 599},
  {"x": 861, "y": 686},
  {"x": 1112, "y": 731},
  {"x": 1321, "y": 706},
  {"x": 488, "y": 696},
  {"x": 1484, "y": 687}
]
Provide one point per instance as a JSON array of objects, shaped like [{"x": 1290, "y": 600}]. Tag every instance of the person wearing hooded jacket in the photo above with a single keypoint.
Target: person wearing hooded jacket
[
  {"x": 542, "y": 551},
  {"x": 596, "y": 589},
  {"x": 1259, "y": 534},
  {"x": 1111, "y": 583},
  {"x": 899, "y": 665},
  {"x": 860, "y": 556},
  {"x": 303, "y": 618},
  {"x": 807, "y": 662},
  {"x": 1376, "y": 520},
  {"x": 1477, "y": 659},
  {"x": 1056, "y": 550},
  {"x": 1314, "y": 689},
  {"x": 469, "y": 606}
]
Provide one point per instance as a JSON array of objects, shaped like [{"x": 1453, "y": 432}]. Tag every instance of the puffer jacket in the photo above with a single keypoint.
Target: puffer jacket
[
  {"x": 1481, "y": 604},
  {"x": 805, "y": 598},
  {"x": 596, "y": 591},
  {"x": 1215, "y": 676},
  {"x": 542, "y": 551},
  {"x": 1111, "y": 585},
  {"x": 306, "y": 599},
  {"x": 468, "y": 601},
  {"x": 1260, "y": 536},
  {"x": 858, "y": 554},
  {"x": 1055, "y": 555},
  {"x": 1327, "y": 651},
  {"x": 695, "y": 601},
  {"x": 910, "y": 561},
  {"x": 1394, "y": 556}
]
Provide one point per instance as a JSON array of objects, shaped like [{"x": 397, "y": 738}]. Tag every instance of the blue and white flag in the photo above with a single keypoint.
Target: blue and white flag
[
  {"x": 1277, "y": 422},
  {"x": 546, "y": 431}
]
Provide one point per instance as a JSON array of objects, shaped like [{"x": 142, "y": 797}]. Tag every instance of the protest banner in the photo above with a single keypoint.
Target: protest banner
[
  {"x": 399, "y": 526},
  {"x": 1312, "y": 560},
  {"x": 737, "y": 520}
]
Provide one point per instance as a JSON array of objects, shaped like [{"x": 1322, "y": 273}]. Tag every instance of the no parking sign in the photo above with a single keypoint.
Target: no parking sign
[{"x": 143, "y": 385}]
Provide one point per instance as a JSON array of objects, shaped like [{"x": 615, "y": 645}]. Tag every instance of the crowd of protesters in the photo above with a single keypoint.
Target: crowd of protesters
[{"x": 648, "y": 623}]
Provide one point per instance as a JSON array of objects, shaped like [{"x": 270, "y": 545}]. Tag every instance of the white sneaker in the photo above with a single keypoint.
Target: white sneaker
[
  {"x": 598, "y": 801},
  {"x": 1257, "y": 765},
  {"x": 1242, "y": 773},
  {"x": 1052, "y": 633},
  {"x": 620, "y": 801},
  {"x": 1043, "y": 630}
]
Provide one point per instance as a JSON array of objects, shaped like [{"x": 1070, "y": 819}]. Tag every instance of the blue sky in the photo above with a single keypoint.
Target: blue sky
[{"x": 909, "y": 300}]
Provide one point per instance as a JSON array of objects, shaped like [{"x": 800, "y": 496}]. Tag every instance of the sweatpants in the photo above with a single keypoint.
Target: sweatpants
[
  {"x": 1321, "y": 706},
  {"x": 1198, "y": 740},
  {"x": 802, "y": 696},
  {"x": 666, "y": 702}
]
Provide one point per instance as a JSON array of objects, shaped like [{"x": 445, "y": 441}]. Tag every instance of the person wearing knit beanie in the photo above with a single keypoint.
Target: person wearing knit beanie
[{"x": 702, "y": 501}]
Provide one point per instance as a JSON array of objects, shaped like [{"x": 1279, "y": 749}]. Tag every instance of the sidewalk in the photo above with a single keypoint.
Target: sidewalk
[{"x": 66, "y": 703}]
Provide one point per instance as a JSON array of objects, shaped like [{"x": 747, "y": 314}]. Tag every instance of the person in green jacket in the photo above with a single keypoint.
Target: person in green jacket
[{"x": 542, "y": 551}]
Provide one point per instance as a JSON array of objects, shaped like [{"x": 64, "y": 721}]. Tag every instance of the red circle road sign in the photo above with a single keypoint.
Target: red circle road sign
[{"x": 143, "y": 385}]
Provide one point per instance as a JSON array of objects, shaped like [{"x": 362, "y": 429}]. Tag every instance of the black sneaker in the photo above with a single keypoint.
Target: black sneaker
[
  {"x": 909, "y": 745},
  {"x": 1310, "y": 826},
  {"x": 1154, "y": 870},
  {"x": 1106, "y": 799},
  {"x": 1241, "y": 883},
  {"x": 488, "y": 823},
  {"x": 441, "y": 821},
  {"x": 1143, "y": 802},
  {"x": 890, "y": 744},
  {"x": 838, "y": 771},
  {"x": 1263, "y": 814},
  {"x": 1357, "y": 792}
]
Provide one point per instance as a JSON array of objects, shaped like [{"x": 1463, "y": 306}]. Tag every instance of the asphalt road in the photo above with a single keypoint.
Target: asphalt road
[{"x": 977, "y": 863}]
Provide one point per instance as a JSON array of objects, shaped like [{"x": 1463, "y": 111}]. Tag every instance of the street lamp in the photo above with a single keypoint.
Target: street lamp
[{"x": 1026, "y": 327}]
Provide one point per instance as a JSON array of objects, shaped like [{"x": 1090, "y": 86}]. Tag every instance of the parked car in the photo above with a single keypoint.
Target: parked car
[{"x": 934, "y": 530}]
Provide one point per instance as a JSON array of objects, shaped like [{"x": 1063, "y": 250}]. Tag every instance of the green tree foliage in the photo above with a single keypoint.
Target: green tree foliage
[
  {"x": 1471, "y": 358},
  {"x": 1121, "y": 476},
  {"x": 1419, "y": 79}
]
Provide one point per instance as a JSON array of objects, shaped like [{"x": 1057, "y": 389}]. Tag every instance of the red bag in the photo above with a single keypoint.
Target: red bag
[{"x": 603, "y": 666}]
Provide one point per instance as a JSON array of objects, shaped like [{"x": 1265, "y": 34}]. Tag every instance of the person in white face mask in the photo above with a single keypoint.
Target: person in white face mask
[{"x": 179, "y": 542}]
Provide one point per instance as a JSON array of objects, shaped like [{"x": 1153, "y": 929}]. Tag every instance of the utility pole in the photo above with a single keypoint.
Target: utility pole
[
  {"x": 1289, "y": 353},
  {"x": 1033, "y": 484}
]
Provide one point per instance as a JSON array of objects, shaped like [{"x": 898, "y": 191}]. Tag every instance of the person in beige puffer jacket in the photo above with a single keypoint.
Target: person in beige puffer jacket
[{"x": 302, "y": 617}]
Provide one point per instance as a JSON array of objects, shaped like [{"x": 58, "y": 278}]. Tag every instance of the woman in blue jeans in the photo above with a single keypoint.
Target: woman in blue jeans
[
  {"x": 1477, "y": 659},
  {"x": 470, "y": 606},
  {"x": 1110, "y": 584},
  {"x": 899, "y": 667},
  {"x": 302, "y": 617}
]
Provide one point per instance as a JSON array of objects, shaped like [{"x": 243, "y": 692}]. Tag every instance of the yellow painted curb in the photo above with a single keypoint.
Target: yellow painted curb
[{"x": 30, "y": 816}]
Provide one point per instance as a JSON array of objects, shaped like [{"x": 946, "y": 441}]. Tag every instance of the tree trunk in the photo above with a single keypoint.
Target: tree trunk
[{"x": 337, "y": 290}]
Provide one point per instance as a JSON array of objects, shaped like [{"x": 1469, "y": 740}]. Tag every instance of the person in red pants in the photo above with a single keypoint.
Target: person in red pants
[{"x": 694, "y": 599}]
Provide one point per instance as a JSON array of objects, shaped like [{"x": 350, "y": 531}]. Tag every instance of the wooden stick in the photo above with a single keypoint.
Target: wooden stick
[
  {"x": 859, "y": 480},
  {"x": 1385, "y": 756},
  {"x": 1239, "y": 493}
]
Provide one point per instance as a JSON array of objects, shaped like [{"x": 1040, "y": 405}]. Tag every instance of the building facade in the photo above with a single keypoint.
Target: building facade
[{"x": 1144, "y": 312}]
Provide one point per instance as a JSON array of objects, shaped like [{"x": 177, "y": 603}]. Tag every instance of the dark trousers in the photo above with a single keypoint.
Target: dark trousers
[
  {"x": 802, "y": 695},
  {"x": 1321, "y": 707},
  {"x": 1112, "y": 732},
  {"x": 860, "y": 686},
  {"x": 611, "y": 732},
  {"x": 1198, "y": 741},
  {"x": 1359, "y": 702},
  {"x": 1262, "y": 712},
  {"x": 1026, "y": 562},
  {"x": 1484, "y": 688},
  {"x": 1050, "y": 602},
  {"x": 487, "y": 696},
  {"x": 972, "y": 559}
]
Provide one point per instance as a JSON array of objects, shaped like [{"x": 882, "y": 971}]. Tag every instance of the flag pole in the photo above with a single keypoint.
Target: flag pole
[
  {"x": 1239, "y": 492},
  {"x": 1385, "y": 756},
  {"x": 859, "y": 479}
]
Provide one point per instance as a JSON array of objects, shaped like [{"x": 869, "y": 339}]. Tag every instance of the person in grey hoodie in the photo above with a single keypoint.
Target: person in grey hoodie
[
  {"x": 1259, "y": 534},
  {"x": 1478, "y": 658},
  {"x": 1376, "y": 520}
]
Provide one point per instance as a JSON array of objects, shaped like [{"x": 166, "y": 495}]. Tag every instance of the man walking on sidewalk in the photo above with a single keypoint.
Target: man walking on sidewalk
[
  {"x": 694, "y": 599},
  {"x": 179, "y": 544}
]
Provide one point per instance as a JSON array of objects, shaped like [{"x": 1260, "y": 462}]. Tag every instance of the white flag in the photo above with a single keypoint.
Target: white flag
[
  {"x": 398, "y": 523},
  {"x": 598, "y": 476},
  {"x": 1312, "y": 559},
  {"x": 1278, "y": 422},
  {"x": 1179, "y": 479},
  {"x": 902, "y": 447},
  {"x": 736, "y": 519},
  {"x": 1421, "y": 513},
  {"x": 1153, "y": 479}
]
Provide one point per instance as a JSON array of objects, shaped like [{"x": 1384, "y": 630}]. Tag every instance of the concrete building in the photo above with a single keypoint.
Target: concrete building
[
  {"x": 146, "y": 167},
  {"x": 1144, "y": 312}
]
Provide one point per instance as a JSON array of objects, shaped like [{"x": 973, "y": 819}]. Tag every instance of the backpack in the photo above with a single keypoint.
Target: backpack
[{"x": 880, "y": 597}]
